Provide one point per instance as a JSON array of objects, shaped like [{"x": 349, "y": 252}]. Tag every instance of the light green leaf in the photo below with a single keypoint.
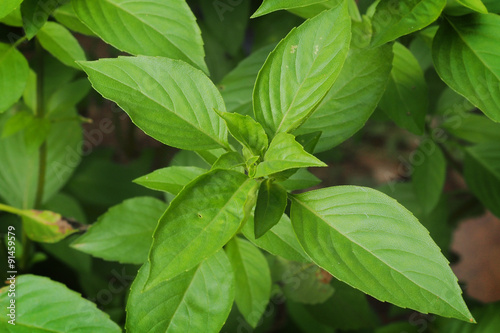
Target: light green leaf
[
  {"x": 198, "y": 300},
  {"x": 19, "y": 166},
  {"x": 300, "y": 180},
  {"x": 35, "y": 14},
  {"x": 315, "y": 9},
  {"x": 237, "y": 86},
  {"x": 66, "y": 15},
  {"x": 429, "y": 175},
  {"x": 269, "y": 6},
  {"x": 349, "y": 230},
  {"x": 168, "y": 99},
  {"x": 59, "y": 42},
  {"x": 301, "y": 70},
  {"x": 252, "y": 277},
  {"x": 230, "y": 161},
  {"x": 152, "y": 27},
  {"x": 171, "y": 179},
  {"x": 247, "y": 131},
  {"x": 17, "y": 123},
  {"x": 271, "y": 204},
  {"x": 462, "y": 7},
  {"x": 466, "y": 56},
  {"x": 8, "y": 6},
  {"x": 393, "y": 19},
  {"x": 14, "y": 72},
  {"x": 45, "y": 226},
  {"x": 125, "y": 232},
  {"x": 474, "y": 128},
  {"x": 280, "y": 240},
  {"x": 199, "y": 221},
  {"x": 68, "y": 310},
  {"x": 406, "y": 98},
  {"x": 482, "y": 174},
  {"x": 353, "y": 97},
  {"x": 285, "y": 153}
]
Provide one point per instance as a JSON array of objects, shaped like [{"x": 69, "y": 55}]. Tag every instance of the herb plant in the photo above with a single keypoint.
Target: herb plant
[{"x": 236, "y": 225}]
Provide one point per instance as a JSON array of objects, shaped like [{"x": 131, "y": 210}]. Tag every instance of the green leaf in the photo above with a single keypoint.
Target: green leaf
[
  {"x": 59, "y": 42},
  {"x": 252, "y": 277},
  {"x": 271, "y": 204},
  {"x": 198, "y": 300},
  {"x": 18, "y": 171},
  {"x": 199, "y": 221},
  {"x": 8, "y": 6},
  {"x": 301, "y": 70},
  {"x": 285, "y": 153},
  {"x": 269, "y": 6},
  {"x": 487, "y": 321},
  {"x": 492, "y": 5},
  {"x": 237, "y": 86},
  {"x": 171, "y": 179},
  {"x": 346, "y": 229},
  {"x": 302, "y": 282},
  {"x": 124, "y": 233},
  {"x": 168, "y": 99},
  {"x": 465, "y": 53},
  {"x": 18, "y": 122},
  {"x": 35, "y": 14},
  {"x": 227, "y": 21},
  {"x": 14, "y": 72},
  {"x": 482, "y": 174},
  {"x": 155, "y": 28},
  {"x": 347, "y": 309},
  {"x": 280, "y": 240},
  {"x": 247, "y": 131},
  {"x": 66, "y": 15},
  {"x": 353, "y": 97},
  {"x": 462, "y": 7},
  {"x": 406, "y": 98},
  {"x": 45, "y": 226},
  {"x": 317, "y": 8},
  {"x": 303, "y": 319},
  {"x": 68, "y": 96},
  {"x": 36, "y": 133},
  {"x": 473, "y": 128},
  {"x": 429, "y": 175},
  {"x": 393, "y": 19},
  {"x": 300, "y": 180},
  {"x": 69, "y": 311}
]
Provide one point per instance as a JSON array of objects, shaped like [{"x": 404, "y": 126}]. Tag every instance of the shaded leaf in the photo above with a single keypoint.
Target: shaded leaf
[
  {"x": 271, "y": 204},
  {"x": 465, "y": 53},
  {"x": 406, "y": 98},
  {"x": 35, "y": 14},
  {"x": 252, "y": 279},
  {"x": 124, "y": 233}
]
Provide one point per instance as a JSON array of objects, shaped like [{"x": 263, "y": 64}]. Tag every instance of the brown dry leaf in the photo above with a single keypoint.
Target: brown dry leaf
[{"x": 477, "y": 241}]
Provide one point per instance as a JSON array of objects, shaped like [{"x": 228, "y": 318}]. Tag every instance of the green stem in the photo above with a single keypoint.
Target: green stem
[
  {"x": 42, "y": 153},
  {"x": 19, "y": 41},
  {"x": 9, "y": 209}
]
